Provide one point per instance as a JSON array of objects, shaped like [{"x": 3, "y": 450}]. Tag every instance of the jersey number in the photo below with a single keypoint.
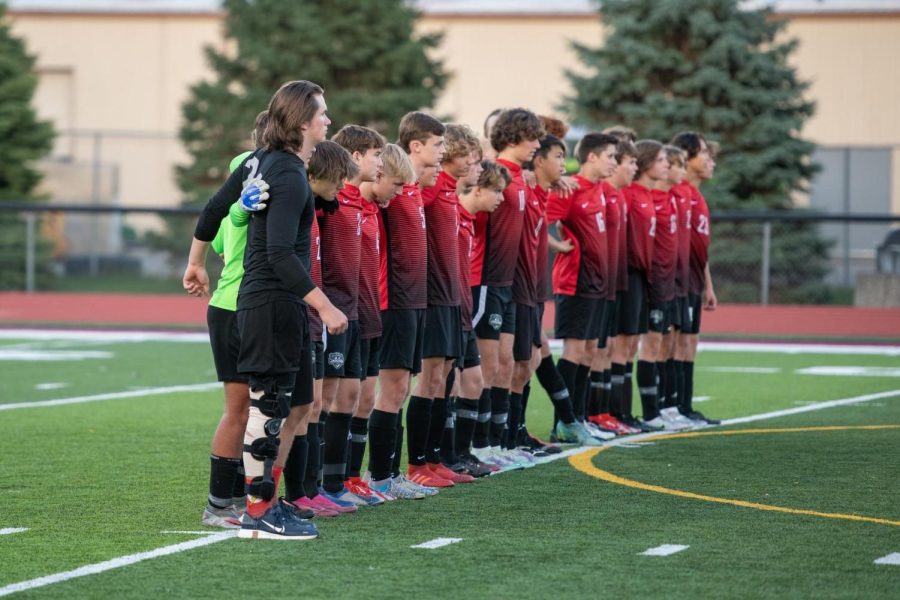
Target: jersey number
[
  {"x": 422, "y": 216},
  {"x": 253, "y": 165},
  {"x": 601, "y": 224},
  {"x": 652, "y": 226},
  {"x": 703, "y": 225}
]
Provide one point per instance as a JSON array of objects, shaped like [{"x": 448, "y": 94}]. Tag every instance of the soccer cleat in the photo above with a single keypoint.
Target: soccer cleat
[
  {"x": 224, "y": 518},
  {"x": 529, "y": 441},
  {"x": 674, "y": 420},
  {"x": 474, "y": 467},
  {"x": 655, "y": 424},
  {"x": 318, "y": 511},
  {"x": 360, "y": 489},
  {"x": 346, "y": 495},
  {"x": 607, "y": 422},
  {"x": 323, "y": 498},
  {"x": 489, "y": 456},
  {"x": 277, "y": 523},
  {"x": 423, "y": 475},
  {"x": 598, "y": 433},
  {"x": 425, "y": 490},
  {"x": 696, "y": 415},
  {"x": 575, "y": 433},
  {"x": 637, "y": 425},
  {"x": 299, "y": 512},
  {"x": 449, "y": 474}
]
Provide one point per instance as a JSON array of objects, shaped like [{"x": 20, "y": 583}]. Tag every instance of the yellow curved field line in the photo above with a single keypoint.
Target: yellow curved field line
[{"x": 583, "y": 463}]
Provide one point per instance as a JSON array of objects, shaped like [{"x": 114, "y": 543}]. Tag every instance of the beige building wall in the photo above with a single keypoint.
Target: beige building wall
[{"x": 126, "y": 76}]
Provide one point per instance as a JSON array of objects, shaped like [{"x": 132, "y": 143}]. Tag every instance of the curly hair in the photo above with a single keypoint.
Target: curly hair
[
  {"x": 514, "y": 126},
  {"x": 555, "y": 127},
  {"x": 459, "y": 141}
]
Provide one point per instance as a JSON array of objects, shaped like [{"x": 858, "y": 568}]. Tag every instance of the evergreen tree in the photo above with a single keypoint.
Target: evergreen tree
[
  {"x": 363, "y": 53},
  {"x": 25, "y": 139},
  {"x": 714, "y": 67}
]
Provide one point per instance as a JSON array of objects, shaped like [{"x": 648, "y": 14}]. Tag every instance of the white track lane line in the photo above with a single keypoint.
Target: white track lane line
[
  {"x": 116, "y": 563},
  {"x": 664, "y": 550},
  {"x": 890, "y": 559},
  {"x": 198, "y": 387},
  {"x": 437, "y": 543},
  {"x": 12, "y": 530}
]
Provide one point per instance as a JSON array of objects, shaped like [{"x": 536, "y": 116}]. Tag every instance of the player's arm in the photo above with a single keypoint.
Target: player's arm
[
  {"x": 558, "y": 208},
  {"x": 710, "y": 302}
]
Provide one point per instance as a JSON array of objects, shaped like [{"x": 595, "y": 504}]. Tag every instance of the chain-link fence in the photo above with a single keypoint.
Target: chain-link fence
[{"x": 786, "y": 257}]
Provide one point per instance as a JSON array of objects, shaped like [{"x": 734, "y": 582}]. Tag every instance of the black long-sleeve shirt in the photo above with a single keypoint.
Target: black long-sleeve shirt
[{"x": 276, "y": 260}]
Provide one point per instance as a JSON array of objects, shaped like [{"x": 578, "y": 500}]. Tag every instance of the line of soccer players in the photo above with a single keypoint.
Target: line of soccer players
[{"x": 424, "y": 264}]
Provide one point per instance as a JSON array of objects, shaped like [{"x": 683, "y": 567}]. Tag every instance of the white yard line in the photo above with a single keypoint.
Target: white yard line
[
  {"x": 11, "y": 530},
  {"x": 760, "y": 370},
  {"x": 437, "y": 543},
  {"x": 198, "y": 387},
  {"x": 102, "y": 336},
  {"x": 664, "y": 550},
  {"x": 890, "y": 559},
  {"x": 786, "y": 348},
  {"x": 115, "y": 563},
  {"x": 811, "y": 407}
]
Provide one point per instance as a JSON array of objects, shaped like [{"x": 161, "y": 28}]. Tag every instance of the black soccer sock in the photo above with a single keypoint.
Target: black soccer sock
[
  {"x": 334, "y": 467},
  {"x": 418, "y": 416},
  {"x": 313, "y": 449},
  {"x": 483, "y": 427},
  {"x": 678, "y": 368},
  {"x": 382, "y": 434},
  {"x": 295, "y": 468},
  {"x": 398, "y": 445},
  {"x": 671, "y": 384},
  {"x": 629, "y": 389},
  {"x": 568, "y": 372},
  {"x": 595, "y": 393},
  {"x": 320, "y": 467},
  {"x": 646, "y": 380},
  {"x": 617, "y": 391},
  {"x": 558, "y": 389},
  {"x": 436, "y": 424},
  {"x": 448, "y": 439},
  {"x": 523, "y": 429},
  {"x": 499, "y": 414},
  {"x": 240, "y": 482},
  {"x": 582, "y": 387},
  {"x": 606, "y": 396},
  {"x": 662, "y": 399},
  {"x": 222, "y": 475},
  {"x": 515, "y": 420},
  {"x": 466, "y": 420},
  {"x": 688, "y": 401},
  {"x": 359, "y": 437}
]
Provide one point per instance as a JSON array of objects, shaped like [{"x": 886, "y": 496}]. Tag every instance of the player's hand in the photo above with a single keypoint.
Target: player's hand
[
  {"x": 334, "y": 320},
  {"x": 196, "y": 281},
  {"x": 566, "y": 186},
  {"x": 710, "y": 302},
  {"x": 254, "y": 195},
  {"x": 530, "y": 179},
  {"x": 565, "y": 246}
]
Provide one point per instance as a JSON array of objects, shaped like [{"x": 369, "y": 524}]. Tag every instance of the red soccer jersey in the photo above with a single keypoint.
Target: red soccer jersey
[
  {"x": 404, "y": 269},
  {"x": 543, "y": 250},
  {"x": 618, "y": 268},
  {"x": 369, "y": 273},
  {"x": 340, "y": 233},
  {"x": 441, "y": 217},
  {"x": 665, "y": 247},
  {"x": 641, "y": 227},
  {"x": 699, "y": 241},
  {"x": 465, "y": 246},
  {"x": 585, "y": 270},
  {"x": 504, "y": 230},
  {"x": 682, "y": 269},
  {"x": 525, "y": 281},
  {"x": 315, "y": 271}
]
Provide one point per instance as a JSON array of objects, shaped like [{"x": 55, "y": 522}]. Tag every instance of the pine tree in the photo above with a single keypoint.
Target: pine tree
[
  {"x": 363, "y": 53},
  {"x": 24, "y": 140},
  {"x": 714, "y": 67}
]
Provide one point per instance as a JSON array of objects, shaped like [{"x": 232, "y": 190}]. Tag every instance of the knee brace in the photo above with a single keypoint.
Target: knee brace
[{"x": 269, "y": 405}]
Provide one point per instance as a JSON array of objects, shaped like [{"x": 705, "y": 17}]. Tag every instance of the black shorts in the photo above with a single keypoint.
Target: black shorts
[
  {"x": 471, "y": 358},
  {"x": 273, "y": 335},
  {"x": 660, "y": 316},
  {"x": 368, "y": 358},
  {"x": 225, "y": 342},
  {"x": 495, "y": 312},
  {"x": 578, "y": 318},
  {"x": 614, "y": 308},
  {"x": 680, "y": 313},
  {"x": 526, "y": 326},
  {"x": 539, "y": 324},
  {"x": 633, "y": 311},
  {"x": 342, "y": 353},
  {"x": 318, "y": 349},
  {"x": 402, "y": 335},
  {"x": 693, "y": 311},
  {"x": 442, "y": 327},
  {"x": 609, "y": 315}
]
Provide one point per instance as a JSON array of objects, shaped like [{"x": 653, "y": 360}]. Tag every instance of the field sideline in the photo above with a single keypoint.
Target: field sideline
[{"x": 795, "y": 493}]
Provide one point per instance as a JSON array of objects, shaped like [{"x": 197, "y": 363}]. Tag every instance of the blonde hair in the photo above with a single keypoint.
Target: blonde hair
[
  {"x": 493, "y": 176},
  {"x": 459, "y": 141},
  {"x": 395, "y": 163}
]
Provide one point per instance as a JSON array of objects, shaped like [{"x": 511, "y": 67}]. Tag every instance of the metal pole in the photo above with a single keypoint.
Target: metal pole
[
  {"x": 764, "y": 269},
  {"x": 94, "y": 258},
  {"x": 846, "y": 210},
  {"x": 30, "y": 219}
]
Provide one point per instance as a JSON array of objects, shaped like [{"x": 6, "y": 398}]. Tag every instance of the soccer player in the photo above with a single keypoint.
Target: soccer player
[
  {"x": 701, "y": 293},
  {"x": 443, "y": 327},
  {"x": 404, "y": 298},
  {"x": 581, "y": 277},
  {"x": 341, "y": 232},
  {"x": 396, "y": 171},
  {"x": 514, "y": 136},
  {"x": 272, "y": 320}
]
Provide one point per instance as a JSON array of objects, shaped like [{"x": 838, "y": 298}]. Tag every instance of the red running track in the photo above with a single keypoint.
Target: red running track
[{"x": 19, "y": 309}]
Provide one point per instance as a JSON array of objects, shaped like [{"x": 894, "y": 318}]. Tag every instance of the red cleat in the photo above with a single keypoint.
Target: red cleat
[
  {"x": 445, "y": 473},
  {"x": 422, "y": 475}
]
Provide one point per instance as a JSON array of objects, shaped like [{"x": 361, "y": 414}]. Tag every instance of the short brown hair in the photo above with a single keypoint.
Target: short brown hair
[
  {"x": 459, "y": 141},
  {"x": 259, "y": 128},
  {"x": 647, "y": 151},
  {"x": 625, "y": 147},
  {"x": 395, "y": 163},
  {"x": 622, "y": 132},
  {"x": 555, "y": 127},
  {"x": 417, "y": 126},
  {"x": 493, "y": 176},
  {"x": 356, "y": 138},
  {"x": 675, "y": 154},
  {"x": 331, "y": 162},
  {"x": 593, "y": 143},
  {"x": 513, "y": 126},
  {"x": 292, "y": 106}
]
